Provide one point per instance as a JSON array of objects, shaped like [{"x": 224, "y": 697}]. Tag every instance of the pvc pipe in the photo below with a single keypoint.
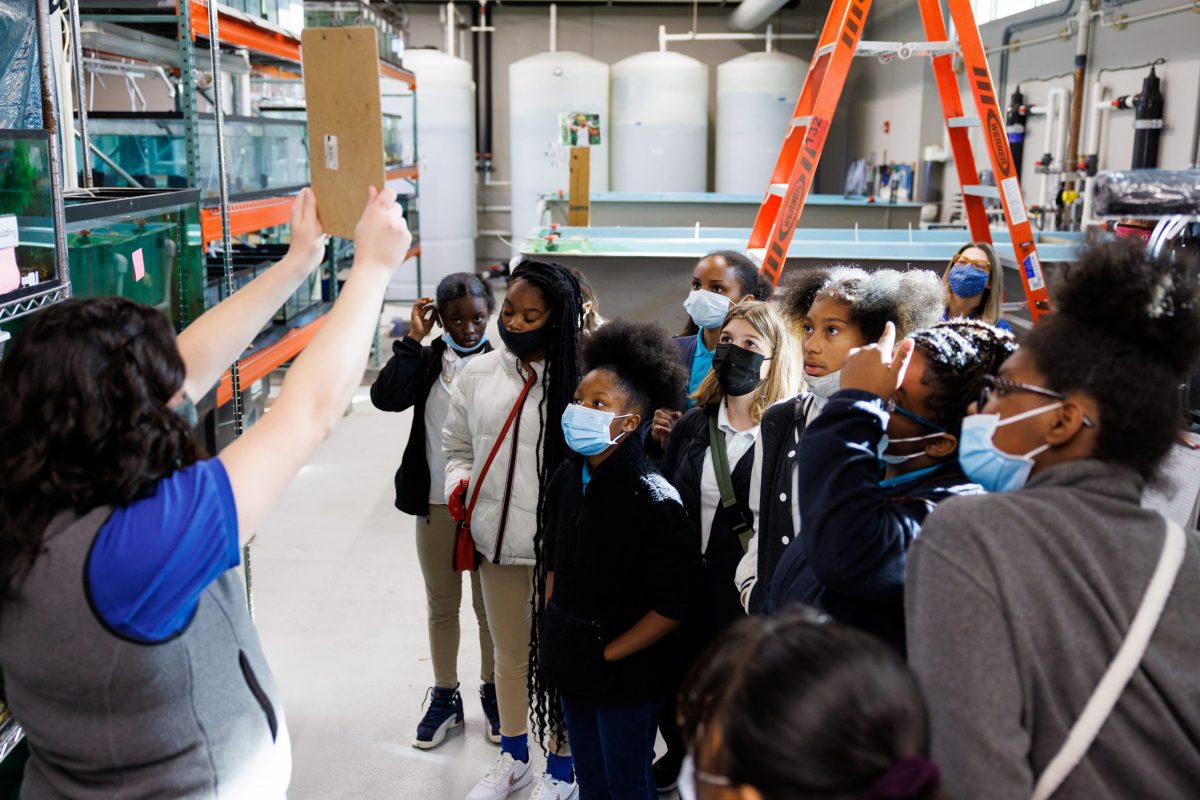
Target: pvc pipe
[
  {"x": 691, "y": 36},
  {"x": 451, "y": 43},
  {"x": 1110, "y": 21},
  {"x": 751, "y": 14},
  {"x": 554, "y": 27}
]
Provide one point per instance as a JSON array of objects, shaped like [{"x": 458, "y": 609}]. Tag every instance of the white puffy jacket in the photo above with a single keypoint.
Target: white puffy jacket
[{"x": 483, "y": 396}]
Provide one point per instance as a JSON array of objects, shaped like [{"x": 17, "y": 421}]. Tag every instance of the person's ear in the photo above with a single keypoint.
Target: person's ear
[
  {"x": 1069, "y": 422},
  {"x": 631, "y": 423},
  {"x": 942, "y": 447}
]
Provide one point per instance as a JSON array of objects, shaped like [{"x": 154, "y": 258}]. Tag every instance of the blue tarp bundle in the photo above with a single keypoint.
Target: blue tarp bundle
[{"x": 20, "y": 81}]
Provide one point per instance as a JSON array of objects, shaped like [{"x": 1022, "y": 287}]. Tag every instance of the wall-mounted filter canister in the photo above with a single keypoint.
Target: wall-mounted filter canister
[{"x": 1148, "y": 123}]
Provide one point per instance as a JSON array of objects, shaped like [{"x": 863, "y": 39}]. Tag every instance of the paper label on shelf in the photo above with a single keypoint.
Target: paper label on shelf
[
  {"x": 8, "y": 231},
  {"x": 139, "y": 265},
  {"x": 331, "y": 151},
  {"x": 1014, "y": 201},
  {"x": 1033, "y": 272},
  {"x": 10, "y": 276}
]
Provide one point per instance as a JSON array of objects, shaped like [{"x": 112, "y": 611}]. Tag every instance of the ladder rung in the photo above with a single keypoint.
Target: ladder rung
[
  {"x": 903, "y": 50},
  {"x": 801, "y": 122},
  {"x": 779, "y": 189},
  {"x": 962, "y": 122},
  {"x": 824, "y": 51},
  {"x": 979, "y": 190}
]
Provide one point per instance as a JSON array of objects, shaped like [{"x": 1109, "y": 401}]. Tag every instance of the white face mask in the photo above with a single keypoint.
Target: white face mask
[
  {"x": 823, "y": 386},
  {"x": 689, "y": 775}
]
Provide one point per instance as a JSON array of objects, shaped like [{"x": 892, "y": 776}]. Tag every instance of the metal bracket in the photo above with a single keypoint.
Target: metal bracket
[{"x": 27, "y": 305}]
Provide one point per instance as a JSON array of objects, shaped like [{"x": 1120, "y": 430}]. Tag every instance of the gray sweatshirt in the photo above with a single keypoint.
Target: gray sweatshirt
[{"x": 1016, "y": 604}]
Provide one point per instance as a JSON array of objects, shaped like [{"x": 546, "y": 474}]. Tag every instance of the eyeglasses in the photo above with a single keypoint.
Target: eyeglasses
[
  {"x": 978, "y": 263},
  {"x": 1002, "y": 387}
]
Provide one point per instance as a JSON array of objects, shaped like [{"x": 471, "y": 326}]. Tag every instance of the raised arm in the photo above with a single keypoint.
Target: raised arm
[
  {"x": 321, "y": 383},
  {"x": 215, "y": 340}
]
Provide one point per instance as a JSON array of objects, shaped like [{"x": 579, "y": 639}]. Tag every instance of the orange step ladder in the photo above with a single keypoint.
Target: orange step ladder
[{"x": 839, "y": 43}]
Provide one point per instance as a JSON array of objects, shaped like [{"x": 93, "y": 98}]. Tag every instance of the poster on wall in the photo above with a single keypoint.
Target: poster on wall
[{"x": 579, "y": 129}]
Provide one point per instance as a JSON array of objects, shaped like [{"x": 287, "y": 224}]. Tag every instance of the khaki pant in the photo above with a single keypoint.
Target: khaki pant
[
  {"x": 443, "y": 595},
  {"x": 507, "y": 593}
]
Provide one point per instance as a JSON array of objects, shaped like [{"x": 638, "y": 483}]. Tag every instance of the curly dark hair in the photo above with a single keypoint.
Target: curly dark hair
[
  {"x": 1126, "y": 332},
  {"x": 746, "y": 273},
  {"x": 910, "y": 299},
  {"x": 804, "y": 708},
  {"x": 561, "y": 376},
  {"x": 84, "y": 421},
  {"x": 958, "y": 354},
  {"x": 643, "y": 360},
  {"x": 465, "y": 284}
]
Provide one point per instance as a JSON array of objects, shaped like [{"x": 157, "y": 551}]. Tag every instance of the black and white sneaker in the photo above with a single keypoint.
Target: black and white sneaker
[{"x": 443, "y": 714}]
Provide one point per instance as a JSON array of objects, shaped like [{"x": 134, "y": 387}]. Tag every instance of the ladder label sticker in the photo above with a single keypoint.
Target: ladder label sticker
[
  {"x": 331, "y": 151},
  {"x": 1012, "y": 199},
  {"x": 1033, "y": 273},
  {"x": 8, "y": 231}
]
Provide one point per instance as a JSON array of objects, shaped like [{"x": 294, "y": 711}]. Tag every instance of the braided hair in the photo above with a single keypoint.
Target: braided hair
[
  {"x": 958, "y": 354},
  {"x": 562, "y": 294}
]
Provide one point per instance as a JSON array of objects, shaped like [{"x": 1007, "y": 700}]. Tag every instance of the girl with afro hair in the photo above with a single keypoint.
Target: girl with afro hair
[
  {"x": 618, "y": 570},
  {"x": 836, "y": 310},
  {"x": 1019, "y": 601},
  {"x": 875, "y": 463}
]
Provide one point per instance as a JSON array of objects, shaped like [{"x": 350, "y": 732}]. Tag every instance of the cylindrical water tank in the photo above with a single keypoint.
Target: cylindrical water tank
[
  {"x": 660, "y": 124},
  {"x": 446, "y": 157},
  {"x": 756, "y": 95},
  {"x": 541, "y": 88}
]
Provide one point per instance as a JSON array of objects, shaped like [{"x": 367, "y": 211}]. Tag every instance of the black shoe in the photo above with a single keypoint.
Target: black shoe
[{"x": 666, "y": 772}]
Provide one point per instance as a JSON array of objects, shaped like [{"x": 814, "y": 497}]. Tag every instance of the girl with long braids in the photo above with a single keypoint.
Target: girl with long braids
[{"x": 503, "y": 440}]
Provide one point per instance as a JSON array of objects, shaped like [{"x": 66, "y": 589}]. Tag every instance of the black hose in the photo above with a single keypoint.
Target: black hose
[
  {"x": 1002, "y": 83},
  {"x": 475, "y": 79},
  {"x": 487, "y": 98}
]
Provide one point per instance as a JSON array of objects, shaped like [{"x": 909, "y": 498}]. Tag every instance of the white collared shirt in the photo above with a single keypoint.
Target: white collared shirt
[
  {"x": 737, "y": 444},
  {"x": 437, "y": 404}
]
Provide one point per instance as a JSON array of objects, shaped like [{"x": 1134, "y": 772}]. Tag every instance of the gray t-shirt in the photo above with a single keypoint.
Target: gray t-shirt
[{"x": 1016, "y": 603}]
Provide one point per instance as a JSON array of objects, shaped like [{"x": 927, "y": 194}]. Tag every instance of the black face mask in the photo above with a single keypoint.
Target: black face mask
[
  {"x": 526, "y": 343},
  {"x": 737, "y": 369}
]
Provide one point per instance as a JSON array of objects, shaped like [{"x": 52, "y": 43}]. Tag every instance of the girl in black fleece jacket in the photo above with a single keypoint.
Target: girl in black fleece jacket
[
  {"x": 421, "y": 377},
  {"x": 621, "y": 570}
]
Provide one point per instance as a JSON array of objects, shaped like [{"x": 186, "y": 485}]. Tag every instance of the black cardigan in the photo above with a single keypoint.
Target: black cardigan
[
  {"x": 683, "y": 466},
  {"x": 850, "y": 557},
  {"x": 404, "y": 383},
  {"x": 781, "y": 430},
  {"x": 618, "y": 551}
]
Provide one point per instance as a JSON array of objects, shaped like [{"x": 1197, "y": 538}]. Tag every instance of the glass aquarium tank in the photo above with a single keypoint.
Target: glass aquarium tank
[
  {"x": 143, "y": 245},
  {"x": 397, "y": 133},
  {"x": 263, "y": 155},
  {"x": 27, "y": 246}
]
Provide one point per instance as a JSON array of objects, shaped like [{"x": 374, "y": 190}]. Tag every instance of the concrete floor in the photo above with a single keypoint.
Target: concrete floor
[{"x": 341, "y": 608}]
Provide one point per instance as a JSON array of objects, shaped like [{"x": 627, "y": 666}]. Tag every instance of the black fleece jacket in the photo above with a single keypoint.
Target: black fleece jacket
[
  {"x": 618, "y": 551},
  {"x": 404, "y": 383},
  {"x": 850, "y": 556}
]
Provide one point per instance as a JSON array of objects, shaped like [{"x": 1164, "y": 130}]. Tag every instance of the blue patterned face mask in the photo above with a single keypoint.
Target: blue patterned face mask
[
  {"x": 967, "y": 281},
  {"x": 586, "y": 430}
]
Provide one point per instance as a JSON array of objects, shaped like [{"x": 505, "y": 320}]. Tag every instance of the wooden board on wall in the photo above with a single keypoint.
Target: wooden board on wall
[{"x": 345, "y": 122}]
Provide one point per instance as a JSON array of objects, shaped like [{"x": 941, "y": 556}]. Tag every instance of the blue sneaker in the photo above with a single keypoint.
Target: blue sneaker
[
  {"x": 487, "y": 698},
  {"x": 443, "y": 714}
]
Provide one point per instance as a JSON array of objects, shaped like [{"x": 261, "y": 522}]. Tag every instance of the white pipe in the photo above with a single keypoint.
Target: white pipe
[
  {"x": 450, "y": 32},
  {"x": 1109, "y": 21},
  {"x": 554, "y": 27},
  {"x": 751, "y": 14},
  {"x": 691, "y": 36}
]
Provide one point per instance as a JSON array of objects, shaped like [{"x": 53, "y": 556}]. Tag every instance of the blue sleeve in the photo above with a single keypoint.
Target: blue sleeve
[
  {"x": 1003, "y": 325},
  {"x": 153, "y": 559},
  {"x": 855, "y": 542}
]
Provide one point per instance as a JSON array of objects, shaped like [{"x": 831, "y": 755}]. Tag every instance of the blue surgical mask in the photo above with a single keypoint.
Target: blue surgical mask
[
  {"x": 586, "y": 429},
  {"x": 458, "y": 348},
  {"x": 967, "y": 281},
  {"x": 707, "y": 309},
  {"x": 988, "y": 465}
]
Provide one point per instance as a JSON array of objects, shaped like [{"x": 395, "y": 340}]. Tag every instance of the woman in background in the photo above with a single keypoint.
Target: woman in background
[{"x": 974, "y": 283}]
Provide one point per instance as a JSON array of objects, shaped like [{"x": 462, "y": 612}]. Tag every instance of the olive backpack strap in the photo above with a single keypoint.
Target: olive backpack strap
[{"x": 739, "y": 516}]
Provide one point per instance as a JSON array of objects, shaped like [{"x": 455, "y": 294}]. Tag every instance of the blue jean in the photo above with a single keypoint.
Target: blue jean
[{"x": 613, "y": 748}]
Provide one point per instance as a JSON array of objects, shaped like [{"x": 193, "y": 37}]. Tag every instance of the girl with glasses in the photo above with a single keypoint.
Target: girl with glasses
[
  {"x": 974, "y": 283},
  {"x": 873, "y": 465},
  {"x": 1019, "y": 601}
]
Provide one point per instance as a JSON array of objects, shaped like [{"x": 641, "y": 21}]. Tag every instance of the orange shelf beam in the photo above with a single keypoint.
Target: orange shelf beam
[
  {"x": 257, "y": 366},
  {"x": 240, "y": 30},
  {"x": 246, "y": 217},
  {"x": 402, "y": 172},
  {"x": 398, "y": 73}
]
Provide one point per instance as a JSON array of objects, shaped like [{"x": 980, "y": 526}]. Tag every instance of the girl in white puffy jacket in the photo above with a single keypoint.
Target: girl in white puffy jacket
[{"x": 539, "y": 326}]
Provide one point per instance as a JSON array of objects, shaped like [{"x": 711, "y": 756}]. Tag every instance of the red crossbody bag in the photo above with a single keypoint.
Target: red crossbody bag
[{"x": 466, "y": 557}]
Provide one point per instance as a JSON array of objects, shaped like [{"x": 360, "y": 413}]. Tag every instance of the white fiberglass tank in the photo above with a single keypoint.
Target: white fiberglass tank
[
  {"x": 756, "y": 95},
  {"x": 540, "y": 89},
  {"x": 446, "y": 157},
  {"x": 660, "y": 124}
]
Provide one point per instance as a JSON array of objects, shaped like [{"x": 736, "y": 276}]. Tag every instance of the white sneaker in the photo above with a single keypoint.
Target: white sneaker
[
  {"x": 506, "y": 776},
  {"x": 548, "y": 788}
]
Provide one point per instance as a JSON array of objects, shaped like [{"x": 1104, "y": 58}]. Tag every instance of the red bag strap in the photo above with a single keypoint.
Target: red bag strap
[{"x": 512, "y": 416}]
